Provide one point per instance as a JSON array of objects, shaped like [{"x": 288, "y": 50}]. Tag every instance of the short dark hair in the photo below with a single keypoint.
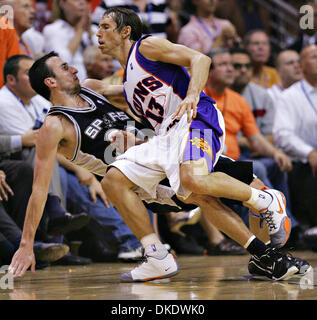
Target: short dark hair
[
  {"x": 126, "y": 17},
  {"x": 11, "y": 65},
  {"x": 213, "y": 52},
  {"x": 248, "y": 35},
  {"x": 239, "y": 50},
  {"x": 39, "y": 72}
]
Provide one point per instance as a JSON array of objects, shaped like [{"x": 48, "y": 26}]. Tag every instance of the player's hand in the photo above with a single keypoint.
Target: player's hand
[
  {"x": 189, "y": 103},
  {"x": 5, "y": 189},
  {"x": 282, "y": 160},
  {"x": 21, "y": 261},
  {"x": 312, "y": 159},
  {"x": 96, "y": 190}
]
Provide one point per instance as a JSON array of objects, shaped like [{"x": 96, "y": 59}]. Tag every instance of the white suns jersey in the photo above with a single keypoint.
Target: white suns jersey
[{"x": 154, "y": 89}]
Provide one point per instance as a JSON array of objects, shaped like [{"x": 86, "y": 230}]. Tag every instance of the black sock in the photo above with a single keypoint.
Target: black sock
[{"x": 257, "y": 247}]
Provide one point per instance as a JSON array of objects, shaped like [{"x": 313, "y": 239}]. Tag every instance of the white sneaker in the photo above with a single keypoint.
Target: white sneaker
[
  {"x": 276, "y": 218},
  {"x": 158, "y": 264}
]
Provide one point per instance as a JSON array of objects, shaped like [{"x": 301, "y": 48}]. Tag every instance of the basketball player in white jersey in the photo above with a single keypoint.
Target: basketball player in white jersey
[{"x": 190, "y": 137}]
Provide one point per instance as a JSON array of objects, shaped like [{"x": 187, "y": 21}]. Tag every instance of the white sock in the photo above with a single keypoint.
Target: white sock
[
  {"x": 259, "y": 199},
  {"x": 149, "y": 240}
]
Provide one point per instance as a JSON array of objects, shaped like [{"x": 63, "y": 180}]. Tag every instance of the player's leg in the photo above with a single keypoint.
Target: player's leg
[
  {"x": 197, "y": 175},
  {"x": 271, "y": 261},
  {"x": 159, "y": 263}
]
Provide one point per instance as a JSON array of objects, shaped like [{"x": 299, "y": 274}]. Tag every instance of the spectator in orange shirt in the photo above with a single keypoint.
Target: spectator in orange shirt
[
  {"x": 9, "y": 44},
  {"x": 257, "y": 43},
  {"x": 237, "y": 112},
  {"x": 24, "y": 15}
]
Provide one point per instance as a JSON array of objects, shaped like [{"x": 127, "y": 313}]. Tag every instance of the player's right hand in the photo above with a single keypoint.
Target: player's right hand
[
  {"x": 21, "y": 261},
  {"x": 189, "y": 103}
]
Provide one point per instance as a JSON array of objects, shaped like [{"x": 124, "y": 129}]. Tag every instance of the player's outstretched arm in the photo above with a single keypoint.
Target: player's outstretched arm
[
  {"x": 48, "y": 139},
  {"x": 109, "y": 90},
  {"x": 159, "y": 49},
  {"x": 102, "y": 88}
]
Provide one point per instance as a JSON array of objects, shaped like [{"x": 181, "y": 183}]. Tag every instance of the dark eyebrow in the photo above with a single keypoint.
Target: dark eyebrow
[{"x": 104, "y": 24}]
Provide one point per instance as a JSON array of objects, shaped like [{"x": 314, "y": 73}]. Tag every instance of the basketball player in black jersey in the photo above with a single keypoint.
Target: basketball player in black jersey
[{"x": 75, "y": 127}]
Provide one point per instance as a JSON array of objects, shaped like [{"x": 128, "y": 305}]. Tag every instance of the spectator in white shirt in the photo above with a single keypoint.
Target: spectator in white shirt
[
  {"x": 70, "y": 32},
  {"x": 289, "y": 70},
  {"x": 295, "y": 131}
]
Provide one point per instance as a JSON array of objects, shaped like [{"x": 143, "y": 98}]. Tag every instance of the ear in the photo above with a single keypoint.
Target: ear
[
  {"x": 50, "y": 82},
  {"x": 125, "y": 32},
  {"x": 11, "y": 80}
]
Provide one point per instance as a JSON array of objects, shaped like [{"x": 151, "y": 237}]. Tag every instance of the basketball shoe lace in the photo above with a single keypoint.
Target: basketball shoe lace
[{"x": 268, "y": 217}]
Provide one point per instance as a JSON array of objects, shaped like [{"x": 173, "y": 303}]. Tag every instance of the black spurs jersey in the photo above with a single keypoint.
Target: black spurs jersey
[{"x": 94, "y": 126}]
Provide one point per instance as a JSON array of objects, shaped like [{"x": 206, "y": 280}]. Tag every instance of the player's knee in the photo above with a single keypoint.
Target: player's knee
[
  {"x": 110, "y": 181},
  {"x": 189, "y": 181}
]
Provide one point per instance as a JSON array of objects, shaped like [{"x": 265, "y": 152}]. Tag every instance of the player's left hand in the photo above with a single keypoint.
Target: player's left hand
[
  {"x": 95, "y": 190},
  {"x": 283, "y": 161},
  {"x": 189, "y": 103},
  {"x": 22, "y": 260}
]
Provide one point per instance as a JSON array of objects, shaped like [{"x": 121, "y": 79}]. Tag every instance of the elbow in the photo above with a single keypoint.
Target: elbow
[{"x": 207, "y": 61}]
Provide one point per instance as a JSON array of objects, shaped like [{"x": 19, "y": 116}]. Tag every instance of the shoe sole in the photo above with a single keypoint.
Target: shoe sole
[
  {"x": 52, "y": 253},
  {"x": 290, "y": 272},
  {"x": 303, "y": 271},
  {"x": 127, "y": 277},
  {"x": 150, "y": 279}
]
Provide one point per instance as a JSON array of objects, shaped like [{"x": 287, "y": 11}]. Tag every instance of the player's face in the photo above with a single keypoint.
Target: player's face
[
  {"x": 242, "y": 68},
  {"x": 259, "y": 47},
  {"x": 223, "y": 69},
  {"x": 109, "y": 37},
  {"x": 65, "y": 75},
  {"x": 289, "y": 66}
]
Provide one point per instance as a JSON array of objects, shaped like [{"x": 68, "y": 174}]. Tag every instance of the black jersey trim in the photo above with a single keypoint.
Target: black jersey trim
[
  {"x": 98, "y": 95},
  {"x": 77, "y": 129}
]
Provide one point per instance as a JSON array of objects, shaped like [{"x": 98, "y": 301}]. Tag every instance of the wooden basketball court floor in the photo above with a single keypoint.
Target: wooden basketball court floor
[{"x": 201, "y": 278}]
